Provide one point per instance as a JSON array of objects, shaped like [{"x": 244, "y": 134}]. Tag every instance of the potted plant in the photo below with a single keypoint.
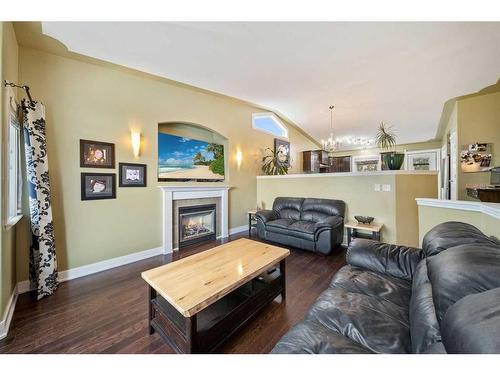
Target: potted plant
[
  {"x": 272, "y": 163},
  {"x": 386, "y": 141}
]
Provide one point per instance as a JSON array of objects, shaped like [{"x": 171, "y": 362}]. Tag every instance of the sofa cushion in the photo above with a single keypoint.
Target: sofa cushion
[
  {"x": 472, "y": 325},
  {"x": 374, "y": 322},
  {"x": 424, "y": 327},
  {"x": 288, "y": 208},
  {"x": 291, "y": 228},
  {"x": 460, "y": 271},
  {"x": 279, "y": 223},
  {"x": 394, "y": 260},
  {"x": 450, "y": 234},
  {"x": 309, "y": 337},
  {"x": 314, "y": 209},
  {"x": 359, "y": 280},
  {"x": 303, "y": 226}
]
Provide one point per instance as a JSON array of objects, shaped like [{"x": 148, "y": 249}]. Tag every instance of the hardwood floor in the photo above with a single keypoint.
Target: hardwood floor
[{"x": 107, "y": 312}]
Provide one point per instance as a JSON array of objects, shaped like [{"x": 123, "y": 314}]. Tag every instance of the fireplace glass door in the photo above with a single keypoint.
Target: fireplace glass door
[{"x": 196, "y": 224}]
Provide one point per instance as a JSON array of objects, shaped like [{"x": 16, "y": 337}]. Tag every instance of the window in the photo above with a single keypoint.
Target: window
[
  {"x": 269, "y": 123},
  {"x": 14, "y": 178}
]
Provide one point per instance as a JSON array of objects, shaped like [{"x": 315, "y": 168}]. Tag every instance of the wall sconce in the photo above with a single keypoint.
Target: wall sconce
[
  {"x": 239, "y": 158},
  {"x": 136, "y": 143}
]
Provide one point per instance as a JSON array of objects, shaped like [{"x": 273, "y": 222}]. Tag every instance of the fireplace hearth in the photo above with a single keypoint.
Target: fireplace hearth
[{"x": 197, "y": 224}]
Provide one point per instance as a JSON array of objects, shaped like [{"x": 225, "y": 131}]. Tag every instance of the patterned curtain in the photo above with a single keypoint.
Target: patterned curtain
[{"x": 43, "y": 265}]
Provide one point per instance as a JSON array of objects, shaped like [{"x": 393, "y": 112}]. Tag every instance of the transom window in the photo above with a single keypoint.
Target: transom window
[{"x": 269, "y": 123}]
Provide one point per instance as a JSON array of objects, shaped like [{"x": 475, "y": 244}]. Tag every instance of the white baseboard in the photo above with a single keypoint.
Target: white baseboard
[
  {"x": 89, "y": 269},
  {"x": 9, "y": 312},
  {"x": 241, "y": 228},
  {"x": 23, "y": 286}
]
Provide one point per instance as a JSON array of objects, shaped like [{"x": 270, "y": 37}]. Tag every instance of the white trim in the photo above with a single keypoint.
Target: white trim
[
  {"x": 241, "y": 228},
  {"x": 350, "y": 174},
  {"x": 491, "y": 209},
  {"x": 9, "y": 312},
  {"x": 177, "y": 192},
  {"x": 12, "y": 221},
  {"x": 23, "y": 287},
  {"x": 193, "y": 187},
  {"x": 89, "y": 269}
]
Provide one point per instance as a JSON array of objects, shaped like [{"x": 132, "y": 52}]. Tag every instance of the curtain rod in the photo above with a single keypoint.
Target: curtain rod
[{"x": 25, "y": 88}]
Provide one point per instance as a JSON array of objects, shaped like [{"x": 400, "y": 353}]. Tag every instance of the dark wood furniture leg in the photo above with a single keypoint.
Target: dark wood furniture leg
[
  {"x": 283, "y": 279},
  {"x": 191, "y": 328},
  {"x": 249, "y": 225},
  {"x": 181, "y": 333},
  {"x": 152, "y": 296},
  {"x": 349, "y": 236}
]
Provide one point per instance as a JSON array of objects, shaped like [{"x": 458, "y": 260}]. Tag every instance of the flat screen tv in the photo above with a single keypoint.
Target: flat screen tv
[{"x": 186, "y": 159}]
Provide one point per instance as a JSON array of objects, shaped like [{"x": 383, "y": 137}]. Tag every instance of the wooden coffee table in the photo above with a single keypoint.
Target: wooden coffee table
[{"x": 197, "y": 302}]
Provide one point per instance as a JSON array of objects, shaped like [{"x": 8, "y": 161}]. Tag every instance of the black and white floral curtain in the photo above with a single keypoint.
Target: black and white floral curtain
[{"x": 43, "y": 264}]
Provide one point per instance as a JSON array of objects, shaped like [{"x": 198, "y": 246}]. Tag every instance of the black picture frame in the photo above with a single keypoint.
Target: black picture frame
[
  {"x": 108, "y": 178},
  {"x": 122, "y": 182},
  {"x": 281, "y": 143},
  {"x": 87, "y": 146}
]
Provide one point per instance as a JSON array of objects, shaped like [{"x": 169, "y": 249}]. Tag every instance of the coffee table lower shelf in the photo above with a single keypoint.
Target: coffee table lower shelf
[{"x": 205, "y": 331}]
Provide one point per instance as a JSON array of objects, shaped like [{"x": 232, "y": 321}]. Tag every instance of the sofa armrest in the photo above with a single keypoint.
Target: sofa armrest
[
  {"x": 329, "y": 222},
  {"x": 266, "y": 215},
  {"x": 394, "y": 260}
]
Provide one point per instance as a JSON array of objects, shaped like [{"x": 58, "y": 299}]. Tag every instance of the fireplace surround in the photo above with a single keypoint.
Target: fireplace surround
[
  {"x": 175, "y": 193},
  {"x": 196, "y": 224}
]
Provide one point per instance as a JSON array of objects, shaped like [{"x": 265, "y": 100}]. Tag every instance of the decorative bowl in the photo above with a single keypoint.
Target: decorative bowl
[{"x": 364, "y": 219}]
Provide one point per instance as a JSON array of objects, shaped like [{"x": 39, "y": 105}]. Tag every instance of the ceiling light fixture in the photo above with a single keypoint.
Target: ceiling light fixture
[
  {"x": 330, "y": 144},
  {"x": 359, "y": 141}
]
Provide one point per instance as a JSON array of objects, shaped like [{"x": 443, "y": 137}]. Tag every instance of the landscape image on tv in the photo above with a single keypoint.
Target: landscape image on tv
[{"x": 182, "y": 159}]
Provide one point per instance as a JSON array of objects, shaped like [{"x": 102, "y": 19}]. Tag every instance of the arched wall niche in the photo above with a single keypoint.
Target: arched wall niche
[{"x": 198, "y": 132}]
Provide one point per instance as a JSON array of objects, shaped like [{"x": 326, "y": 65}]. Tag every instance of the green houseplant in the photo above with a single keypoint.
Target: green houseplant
[
  {"x": 272, "y": 164},
  {"x": 386, "y": 141}
]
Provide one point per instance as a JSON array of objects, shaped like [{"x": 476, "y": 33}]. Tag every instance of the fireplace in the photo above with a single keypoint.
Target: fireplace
[{"x": 197, "y": 224}]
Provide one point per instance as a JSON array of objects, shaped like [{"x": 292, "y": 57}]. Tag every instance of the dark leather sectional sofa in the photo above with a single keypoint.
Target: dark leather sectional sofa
[
  {"x": 443, "y": 298},
  {"x": 305, "y": 223}
]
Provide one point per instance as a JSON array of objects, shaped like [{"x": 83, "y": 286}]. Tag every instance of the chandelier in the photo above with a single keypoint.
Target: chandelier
[
  {"x": 330, "y": 144},
  {"x": 365, "y": 142}
]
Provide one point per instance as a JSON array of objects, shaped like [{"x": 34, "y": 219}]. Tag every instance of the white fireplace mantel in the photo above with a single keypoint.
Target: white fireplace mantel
[{"x": 177, "y": 192}]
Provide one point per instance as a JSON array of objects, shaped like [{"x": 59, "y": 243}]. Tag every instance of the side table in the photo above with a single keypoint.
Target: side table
[
  {"x": 353, "y": 227},
  {"x": 252, "y": 222}
]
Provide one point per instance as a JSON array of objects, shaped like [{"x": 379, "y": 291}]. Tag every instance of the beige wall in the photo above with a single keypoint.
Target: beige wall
[
  {"x": 409, "y": 187},
  {"x": 396, "y": 209},
  {"x": 96, "y": 101},
  {"x": 429, "y": 217},
  {"x": 478, "y": 121},
  {"x": 9, "y": 71}
]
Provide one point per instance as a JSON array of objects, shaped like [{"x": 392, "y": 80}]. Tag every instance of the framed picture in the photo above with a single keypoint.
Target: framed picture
[
  {"x": 424, "y": 160},
  {"x": 132, "y": 175},
  {"x": 283, "y": 149},
  {"x": 95, "y": 154},
  {"x": 98, "y": 186},
  {"x": 476, "y": 157}
]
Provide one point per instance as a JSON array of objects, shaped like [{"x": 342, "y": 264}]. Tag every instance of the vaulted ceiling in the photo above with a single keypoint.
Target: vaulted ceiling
[{"x": 399, "y": 73}]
